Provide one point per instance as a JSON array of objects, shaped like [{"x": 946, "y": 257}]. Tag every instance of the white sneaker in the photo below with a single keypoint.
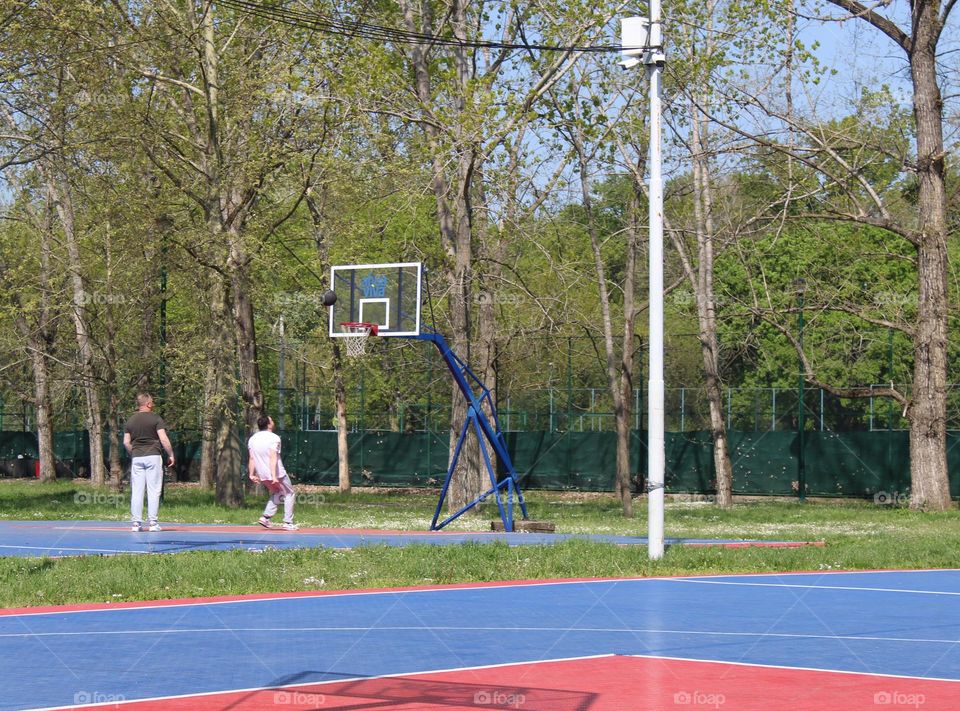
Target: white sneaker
[
  {"x": 136, "y": 528},
  {"x": 154, "y": 527},
  {"x": 264, "y": 521},
  {"x": 290, "y": 527}
]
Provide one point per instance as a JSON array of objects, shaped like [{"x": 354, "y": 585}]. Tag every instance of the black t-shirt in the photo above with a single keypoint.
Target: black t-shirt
[{"x": 144, "y": 439}]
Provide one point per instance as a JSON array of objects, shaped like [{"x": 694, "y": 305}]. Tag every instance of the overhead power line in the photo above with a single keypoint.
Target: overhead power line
[{"x": 279, "y": 12}]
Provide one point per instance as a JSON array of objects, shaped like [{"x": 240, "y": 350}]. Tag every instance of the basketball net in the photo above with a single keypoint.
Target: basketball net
[{"x": 356, "y": 338}]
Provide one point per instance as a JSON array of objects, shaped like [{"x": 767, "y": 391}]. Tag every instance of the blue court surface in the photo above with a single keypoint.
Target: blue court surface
[
  {"x": 66, "y": 538},
  {"x": 859, "y": 640}
]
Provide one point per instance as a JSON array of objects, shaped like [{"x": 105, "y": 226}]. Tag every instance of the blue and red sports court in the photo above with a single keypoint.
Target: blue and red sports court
[{"x": 819, "y": 640}]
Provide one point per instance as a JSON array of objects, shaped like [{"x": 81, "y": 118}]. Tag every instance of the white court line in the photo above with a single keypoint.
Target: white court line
[
  {"x": 812, "y": 587},
  {"x": 791, "y": 668},
  {"x": 163, "y": 605},
  {"x": 507, "y": 584},
  {"x": 333, "y": 681},
  {"x": 461, "y": 628}
]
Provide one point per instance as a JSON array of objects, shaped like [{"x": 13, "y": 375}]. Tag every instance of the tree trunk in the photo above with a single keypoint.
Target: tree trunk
[
  {"x": 624, "y": 415},
  {"x": 60, "y": 197},
  {"x": 208, "y": 425},
  {"x": 229, "y": 458},
  {"x": 620, "y": 408},
  {"x": 930, "y": 486},
  {"x": 218, "y": 360},
  {"x": 245, "y": 336},
  {"x": 343, "y": 446},
  {"x": 41, "y": 398},
  {"x": 115, "y": 438},
  {"x": 39, "y": 339},
  {"x": 230, "y": 473},
  {"x": 41, "y": 379},
  {"x": 316, "y": 207},
  {"x": 454, "y": 215},
  {"x": 927, "y": 411},
  {"x": 469, "y": 477},
  {"x": 110, "y": 358},
  {"x": 702, "y": 281}
]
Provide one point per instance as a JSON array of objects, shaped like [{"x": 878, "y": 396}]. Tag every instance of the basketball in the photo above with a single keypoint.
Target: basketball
[
  {"x": 329, "y": 298},
  {"x": 274, "y": 487}
]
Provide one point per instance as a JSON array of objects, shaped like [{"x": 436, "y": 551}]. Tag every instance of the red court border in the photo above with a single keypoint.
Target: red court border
[{"x": 598, "y": 683}]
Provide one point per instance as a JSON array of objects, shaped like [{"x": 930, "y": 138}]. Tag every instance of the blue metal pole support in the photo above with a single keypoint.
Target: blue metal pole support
[
  {"x": 446, "y": 482},
  {"x": 466, "y": 380}
]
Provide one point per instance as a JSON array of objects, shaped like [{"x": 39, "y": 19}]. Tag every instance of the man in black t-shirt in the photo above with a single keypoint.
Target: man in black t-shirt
[{"x": 145, "y": 439}]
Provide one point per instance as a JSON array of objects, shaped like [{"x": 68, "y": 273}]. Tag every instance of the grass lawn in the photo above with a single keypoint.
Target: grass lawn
[{"x": 858, "y": 535}]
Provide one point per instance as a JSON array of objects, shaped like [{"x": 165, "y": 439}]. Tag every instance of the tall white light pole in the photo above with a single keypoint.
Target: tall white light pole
[{"x": 643, "y": 38}]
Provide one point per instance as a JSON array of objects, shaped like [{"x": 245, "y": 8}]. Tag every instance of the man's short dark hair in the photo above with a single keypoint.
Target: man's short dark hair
[{"x": 263, "y": 422}]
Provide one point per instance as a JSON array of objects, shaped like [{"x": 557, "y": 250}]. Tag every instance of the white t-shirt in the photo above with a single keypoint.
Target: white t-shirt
[{"x": 260, "y": 446}]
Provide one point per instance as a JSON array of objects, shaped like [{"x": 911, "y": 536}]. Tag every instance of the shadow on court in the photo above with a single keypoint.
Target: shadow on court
[{"x": 389, "y": 692}]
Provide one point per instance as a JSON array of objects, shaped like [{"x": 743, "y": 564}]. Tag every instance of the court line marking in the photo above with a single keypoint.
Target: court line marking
[
  {"x": 461, "y": 628},
  {"x": 788, "y": 668},
  {"x": 332, "y": 681},
  {"x": 321, "y": 594},
  {"x": 812, "y": 587},
  {"x": 492, "y": 666},
  {"x": 311, "y": 595}
]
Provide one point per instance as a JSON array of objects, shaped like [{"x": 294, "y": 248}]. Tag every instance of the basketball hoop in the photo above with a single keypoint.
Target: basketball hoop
[{"x": 357, "y": 335}]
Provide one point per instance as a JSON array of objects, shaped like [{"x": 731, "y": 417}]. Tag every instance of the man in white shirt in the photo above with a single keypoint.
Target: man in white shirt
[{"x": 266, "y": 468}]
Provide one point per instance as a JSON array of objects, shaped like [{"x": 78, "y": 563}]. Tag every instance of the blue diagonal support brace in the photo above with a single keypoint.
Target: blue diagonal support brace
[{"x": 487, "y": 429}]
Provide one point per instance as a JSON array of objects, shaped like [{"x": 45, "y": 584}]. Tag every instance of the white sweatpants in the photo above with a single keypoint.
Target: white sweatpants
[
  {"x": 145, "y": 473},
  {"x": 288, "y": 496}
]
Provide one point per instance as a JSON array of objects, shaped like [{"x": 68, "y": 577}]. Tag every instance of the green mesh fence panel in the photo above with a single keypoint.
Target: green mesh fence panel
[
  {"x": 584, "y": 461},
  {"x": 376, "y": 458},
  {"x": 854, "y": 464},
  {"x": 15, "y": 444},
  {"x": 764, "y": 462},
  {"x": 860, "y": 463}
]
